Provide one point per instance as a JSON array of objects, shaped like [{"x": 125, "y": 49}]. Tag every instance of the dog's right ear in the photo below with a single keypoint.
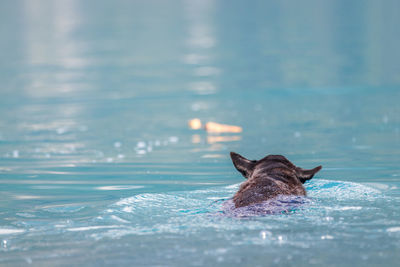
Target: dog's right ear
[
  {"x": 243, "y": 165},
  {"x": 305, "y": 175}
]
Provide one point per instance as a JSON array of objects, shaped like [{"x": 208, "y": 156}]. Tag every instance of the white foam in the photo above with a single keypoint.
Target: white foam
[
  {"x": 141, "y": 152},
  {"x": 339, "y": 190},
  {"x": 179, "y": 211},
  {"x": 25, "y": 197},
  {"x": 173, "y": 139},
  {"x": 8, "y": 231},
  {"x": 88, "y": 228},
  {"x": 141, "y": 144},
  {"x": 351, "y": 208},
  {"x": 344, "y": 208},
  {"x": 393, "y": 229},
  {"x": 118, "y": 187},
  {"x": 127, "y": 209},
  {"x": 15, "y": 154},
  {"x": 117, "y": 144},
  {"x": 118, "y": 219}
]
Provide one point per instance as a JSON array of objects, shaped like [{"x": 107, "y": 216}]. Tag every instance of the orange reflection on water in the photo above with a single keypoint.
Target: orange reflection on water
[
  {"x": 213, "y": 127},
  {"x": 218, "y": 139},
  {"x": 194, "y": 124},
  {"x": 196, "y": 139}
]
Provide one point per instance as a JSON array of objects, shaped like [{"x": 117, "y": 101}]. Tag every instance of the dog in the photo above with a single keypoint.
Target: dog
[{"x": 269, "y": 177}]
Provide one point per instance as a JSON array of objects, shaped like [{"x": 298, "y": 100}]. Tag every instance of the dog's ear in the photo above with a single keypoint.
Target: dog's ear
[
  {"x": 243, "y": 165},
  {"x": 305, "y": 175}
]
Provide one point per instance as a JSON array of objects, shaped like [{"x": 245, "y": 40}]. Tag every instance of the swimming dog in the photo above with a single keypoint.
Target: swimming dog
[{"x": 269, "y": 177}]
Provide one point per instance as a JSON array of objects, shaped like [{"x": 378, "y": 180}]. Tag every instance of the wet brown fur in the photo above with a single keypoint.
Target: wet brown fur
[{"x": 266, "y": 178}]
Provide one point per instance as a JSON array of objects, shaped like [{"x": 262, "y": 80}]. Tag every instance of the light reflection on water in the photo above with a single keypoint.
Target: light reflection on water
[{"x": 94, "y": 104}]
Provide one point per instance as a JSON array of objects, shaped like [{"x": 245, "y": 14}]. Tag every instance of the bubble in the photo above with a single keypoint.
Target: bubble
[
  {"x": 393, "y": 229},
  {"x": 173, "y": 139},
  {"x": 141, "y": 144},
  {"x": 141, "y": 152},
  {"x": 265, "y": 234},
  {"x": 15, "y": 154},
  {"x": 117, "y": 144},
  {"x": 61, "y": 130},
  {"x": 207, "y": 71}
]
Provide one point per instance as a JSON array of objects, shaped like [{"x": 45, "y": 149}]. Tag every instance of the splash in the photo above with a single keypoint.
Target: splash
[{"x": 195, "y": 211}]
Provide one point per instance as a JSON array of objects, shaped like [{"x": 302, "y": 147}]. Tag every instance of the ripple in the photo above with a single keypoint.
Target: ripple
[
  {"x": 339, "y": 190},
  {"x": 90, "y": 228},
  {"x": 176, "y": 212},
  {"x": 63, "y": 209},
  {"x": 119, "y": 187},
  {"x": 345, "y": 208},
  {"x": 28, "y": 197},
  {"x": 195, "y": 211}
]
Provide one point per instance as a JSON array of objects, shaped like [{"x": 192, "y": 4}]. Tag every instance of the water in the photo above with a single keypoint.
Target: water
[{"x": 99, "y": 167}]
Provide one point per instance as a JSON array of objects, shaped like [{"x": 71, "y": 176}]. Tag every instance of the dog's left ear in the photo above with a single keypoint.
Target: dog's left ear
[
  {"x": 243, "y": 165},
  {"x": 305, "y": 175}
]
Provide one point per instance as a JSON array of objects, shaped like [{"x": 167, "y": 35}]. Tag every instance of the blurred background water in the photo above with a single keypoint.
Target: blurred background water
[{"x": 99, "y": 167}]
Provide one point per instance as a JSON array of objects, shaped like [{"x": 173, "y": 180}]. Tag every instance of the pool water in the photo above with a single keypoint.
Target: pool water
[{"x": 99, "y": 167}]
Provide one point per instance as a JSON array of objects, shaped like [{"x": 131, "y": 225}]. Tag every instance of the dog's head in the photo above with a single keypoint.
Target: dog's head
[{"x": 247, "y": 167}]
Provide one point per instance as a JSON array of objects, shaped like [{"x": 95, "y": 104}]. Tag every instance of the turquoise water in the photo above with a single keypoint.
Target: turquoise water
[{"x": 99, "y": 167}]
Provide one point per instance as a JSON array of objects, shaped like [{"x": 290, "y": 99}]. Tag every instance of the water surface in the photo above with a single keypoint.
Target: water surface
[{"x": 99, "y": 167}]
